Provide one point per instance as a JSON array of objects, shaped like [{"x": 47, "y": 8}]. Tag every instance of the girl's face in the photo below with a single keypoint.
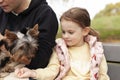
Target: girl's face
[{"x": 72, "y": 33}]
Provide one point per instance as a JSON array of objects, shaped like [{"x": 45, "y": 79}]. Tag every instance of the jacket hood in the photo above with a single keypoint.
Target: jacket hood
[{"x": 33, "y": 5}]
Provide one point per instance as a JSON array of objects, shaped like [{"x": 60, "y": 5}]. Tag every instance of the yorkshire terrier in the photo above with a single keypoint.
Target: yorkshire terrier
[
  {"x": 21, "y": 48},
  {"x": 26, "y": 46}
]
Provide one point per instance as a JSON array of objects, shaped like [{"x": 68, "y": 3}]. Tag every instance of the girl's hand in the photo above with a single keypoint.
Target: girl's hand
[{"x": 25, "y": 73}]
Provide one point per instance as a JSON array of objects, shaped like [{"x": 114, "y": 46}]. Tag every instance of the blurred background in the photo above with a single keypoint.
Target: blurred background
[{"x": 105, "y": 16}]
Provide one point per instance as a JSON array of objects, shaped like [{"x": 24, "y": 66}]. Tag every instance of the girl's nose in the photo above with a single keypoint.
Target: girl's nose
[{"x": 65, "y": 36}]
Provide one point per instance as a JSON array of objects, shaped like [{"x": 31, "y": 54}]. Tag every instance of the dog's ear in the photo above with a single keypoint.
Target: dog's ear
[
  {"x": 10, "y": 35},
  {"x": 34, "y": 32},
  {"x": 1, "y": 36},
  {"x": 2, "y": 48},
  {"x": 36, "y": 27},
  {"x": 6, "y": 52}
]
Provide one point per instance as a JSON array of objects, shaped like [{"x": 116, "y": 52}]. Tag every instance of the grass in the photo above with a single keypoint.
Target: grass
[
  {"x": 108, "y": 27},
  {"x": 59, "y": 33}
]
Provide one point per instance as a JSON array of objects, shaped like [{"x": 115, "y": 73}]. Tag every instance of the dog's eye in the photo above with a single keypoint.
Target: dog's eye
[{"x": 22, "y": 47}]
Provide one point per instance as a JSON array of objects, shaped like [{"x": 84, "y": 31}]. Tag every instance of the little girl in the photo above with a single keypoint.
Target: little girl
[{"x": 78, "y": 54}]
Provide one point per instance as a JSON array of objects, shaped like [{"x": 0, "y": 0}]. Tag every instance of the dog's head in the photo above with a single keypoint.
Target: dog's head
[
  {"x": 26, "y": 47},
  {"x": 24, "y": 52}
]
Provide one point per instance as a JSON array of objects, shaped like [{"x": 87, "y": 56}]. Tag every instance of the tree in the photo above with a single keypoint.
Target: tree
[{"x": 110, "y": 10}]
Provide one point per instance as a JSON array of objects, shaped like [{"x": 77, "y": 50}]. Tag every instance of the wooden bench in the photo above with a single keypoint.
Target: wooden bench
[{"x": 112, "y": 54}]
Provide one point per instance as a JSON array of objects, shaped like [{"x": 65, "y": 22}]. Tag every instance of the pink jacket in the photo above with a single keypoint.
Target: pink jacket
[{"x": 96, "y": 50}]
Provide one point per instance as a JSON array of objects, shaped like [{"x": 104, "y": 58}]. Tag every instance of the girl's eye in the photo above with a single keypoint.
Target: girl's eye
[
  {"x": 63, "y": 32},
  {"x": 70, "y": 32}
]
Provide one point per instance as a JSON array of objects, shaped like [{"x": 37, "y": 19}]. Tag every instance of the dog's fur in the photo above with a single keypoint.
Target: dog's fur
[{"x": 21, "y": 48}]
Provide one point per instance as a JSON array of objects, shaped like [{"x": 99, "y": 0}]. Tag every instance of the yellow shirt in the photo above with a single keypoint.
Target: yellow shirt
[{"x": 79, "y": 63}]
